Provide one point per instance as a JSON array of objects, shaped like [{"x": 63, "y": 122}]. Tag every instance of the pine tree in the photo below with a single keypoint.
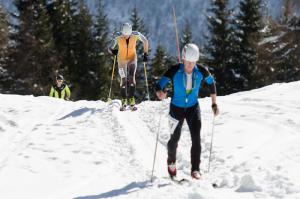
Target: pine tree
[
  {"x": 4, "y": 33},
  {"x": 287, "y": 11},
  {"x": 249, "y": 24},
  {"x": 101, "y": 57},
  {"x": 137, "y": 23},
  {"x": 159, "y": 64},
  {"x": 278, "y": 53},
  {"x": 287, "y": 55},
  {"x": 46, "y": 54},
  {"x": 32, "y": 58},
  {"x": 83, "y": 71},
  {"x": 233, "y": 79},
  {"x": 63, "y": 27},
  {"x": 187, "y": 35},
  {"x": 217, "y": 48}
]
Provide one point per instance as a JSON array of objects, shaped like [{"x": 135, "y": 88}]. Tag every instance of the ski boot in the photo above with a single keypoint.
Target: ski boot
[
  {"x": 196, "y": 175},
  {"x": 132, "y": 104},
  {"x": 172, "y": 169},
  {"x": 124, "y": 104}
]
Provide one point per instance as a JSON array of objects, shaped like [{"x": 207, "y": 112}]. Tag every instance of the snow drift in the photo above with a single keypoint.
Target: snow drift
[{"x": 54, "y": 149}]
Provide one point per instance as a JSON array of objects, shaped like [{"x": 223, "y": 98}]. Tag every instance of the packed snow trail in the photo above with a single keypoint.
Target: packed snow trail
[{"x": 54, "y": 149}]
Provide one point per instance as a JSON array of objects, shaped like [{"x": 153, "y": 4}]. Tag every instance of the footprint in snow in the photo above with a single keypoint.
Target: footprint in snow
[
  {"x": 53, "y": 158},
  {"x": 12, "y": 123},
  {"x": 76, "y": 151},
  {"x": 97, "y": 162},
  {"x": 290, "y": 121},
  {"x": 66, "y": 162},
  {"x": 51, "y": 138},
  {"x": 87, "y": 152}
]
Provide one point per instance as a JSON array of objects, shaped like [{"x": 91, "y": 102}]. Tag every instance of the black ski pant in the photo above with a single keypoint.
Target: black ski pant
[
  {"x": 128, "y": 84},
  {"x": 193, "y": 118}
]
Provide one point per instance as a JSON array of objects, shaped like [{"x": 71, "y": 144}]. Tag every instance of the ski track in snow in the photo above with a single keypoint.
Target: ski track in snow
[{"x": 55, "y": 149}]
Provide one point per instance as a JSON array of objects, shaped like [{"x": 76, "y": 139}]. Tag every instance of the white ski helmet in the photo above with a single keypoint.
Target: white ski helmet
[
  {"x": 190, "y": 52},
  {"x": 126, "y": 29}
]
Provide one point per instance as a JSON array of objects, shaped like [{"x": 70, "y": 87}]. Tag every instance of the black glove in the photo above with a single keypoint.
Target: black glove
[
  {"x": 145, "y": 57},
  {"x": 114, "y": 51},
  {"x": 215, "y": 109}
]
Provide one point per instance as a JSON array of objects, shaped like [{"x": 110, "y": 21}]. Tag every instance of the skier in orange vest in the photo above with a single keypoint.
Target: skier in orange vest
[{"x": 127, "y": 61}]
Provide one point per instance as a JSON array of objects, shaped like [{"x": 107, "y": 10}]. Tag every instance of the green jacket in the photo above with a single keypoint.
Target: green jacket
[{"x": 62, "y": 92}]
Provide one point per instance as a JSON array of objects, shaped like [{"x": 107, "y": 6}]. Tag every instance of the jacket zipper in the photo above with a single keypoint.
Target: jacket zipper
[
  {"x": 185, "y": 84},
  {"x": 127, "y": 42}
]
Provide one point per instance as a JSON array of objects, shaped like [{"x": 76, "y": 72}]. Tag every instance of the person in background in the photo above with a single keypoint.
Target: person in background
[{"x": 60, "y": 89}]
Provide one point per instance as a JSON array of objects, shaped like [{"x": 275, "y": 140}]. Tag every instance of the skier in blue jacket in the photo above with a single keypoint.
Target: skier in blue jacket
[{"x": 187, "y": 78}]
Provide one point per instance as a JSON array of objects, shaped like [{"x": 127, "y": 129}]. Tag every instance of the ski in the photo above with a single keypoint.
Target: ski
[
  {"x": 127, "y": 108},
  {"x": 180, "y": 181},
  {"x": 133, "y": 108},
  {"x": 183, "y": 180},
  {"x": 122, "y": 109}
]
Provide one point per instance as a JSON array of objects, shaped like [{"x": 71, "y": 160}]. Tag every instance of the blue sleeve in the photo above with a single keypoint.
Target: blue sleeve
[
  {"x": 165, "y": 79},
  {"x": 162, "y": 83},
  {"x": 209, "y": 80}
]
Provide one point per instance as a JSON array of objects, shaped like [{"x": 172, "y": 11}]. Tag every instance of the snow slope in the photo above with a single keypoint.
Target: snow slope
[{"x": 53, "y": 149}]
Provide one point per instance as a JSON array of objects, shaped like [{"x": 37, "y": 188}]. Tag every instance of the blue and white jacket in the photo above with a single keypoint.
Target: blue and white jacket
[{"x": 178, "y": 77}]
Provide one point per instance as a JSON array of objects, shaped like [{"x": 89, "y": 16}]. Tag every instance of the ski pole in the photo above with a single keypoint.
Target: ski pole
[
  {"x": 145, "y": 69},
  {"x": 157, "y": 136},
  {"x": 112, "y": 77},
  {"x": 211, "y": 143},
  {"x": 176, "y": 32}
]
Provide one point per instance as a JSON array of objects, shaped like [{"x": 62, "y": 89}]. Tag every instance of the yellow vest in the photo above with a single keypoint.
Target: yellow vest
[
  {"x": 62, "y": 92},
  {"x": 127, "y": 52}
]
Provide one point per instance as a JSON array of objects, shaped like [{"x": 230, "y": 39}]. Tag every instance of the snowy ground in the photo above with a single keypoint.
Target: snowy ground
[{"x": 52, "y": 149}]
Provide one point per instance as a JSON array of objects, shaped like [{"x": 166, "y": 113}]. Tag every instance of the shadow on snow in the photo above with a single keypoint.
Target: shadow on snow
[{"x": 130, "y": 188}]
